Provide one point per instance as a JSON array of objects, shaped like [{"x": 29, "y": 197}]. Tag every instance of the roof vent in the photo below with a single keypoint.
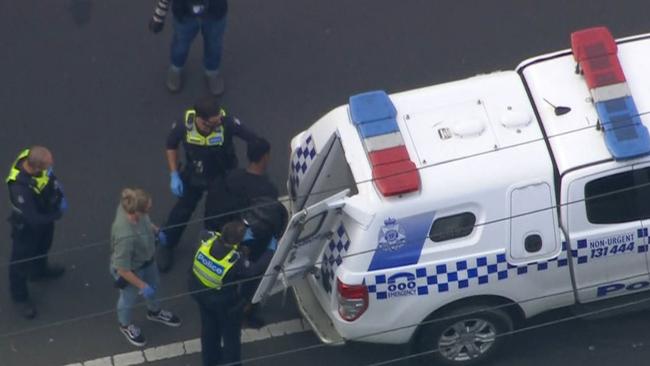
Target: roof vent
[
  {"x": 515, "y": 119},
  {"x": 468, "y": 128}
]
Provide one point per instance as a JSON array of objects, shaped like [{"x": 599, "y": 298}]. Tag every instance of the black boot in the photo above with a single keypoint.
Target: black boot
[
  {"x": 251, "y": 317},
  {"x": 26, "y": 309}
]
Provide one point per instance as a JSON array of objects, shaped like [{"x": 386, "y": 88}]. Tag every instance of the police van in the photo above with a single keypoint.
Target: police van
[{"x": 446, "y": 216}]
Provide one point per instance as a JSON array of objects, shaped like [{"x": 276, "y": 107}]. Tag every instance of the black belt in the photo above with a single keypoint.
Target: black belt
[{"x": 146, "y": 264}]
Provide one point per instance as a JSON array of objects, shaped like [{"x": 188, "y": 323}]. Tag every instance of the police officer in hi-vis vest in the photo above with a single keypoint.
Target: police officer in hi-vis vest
[
  {"x": 219, "y": 262},
  {"x": 37, "y": 201},
  {"x": 207, "y": 138}
]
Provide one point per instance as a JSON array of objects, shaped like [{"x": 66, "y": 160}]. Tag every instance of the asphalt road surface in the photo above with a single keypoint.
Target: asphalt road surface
[{"x": 85, "y": 78}]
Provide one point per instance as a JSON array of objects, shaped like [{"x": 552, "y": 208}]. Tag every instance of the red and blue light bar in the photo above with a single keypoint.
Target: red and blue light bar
[
  {"x": 374, "y": 115},
  {"x": 596, "y": 53}
]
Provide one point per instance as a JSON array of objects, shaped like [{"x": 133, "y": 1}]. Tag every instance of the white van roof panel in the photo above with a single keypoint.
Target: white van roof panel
[{"x": 573, "y": 137}]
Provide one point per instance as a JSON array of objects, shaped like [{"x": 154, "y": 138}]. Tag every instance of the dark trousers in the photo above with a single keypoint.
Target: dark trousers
[
  {"x": 30, "y": 246},
  {"x": 185, "y": 206},
  {"x": 220, "y": 322}
]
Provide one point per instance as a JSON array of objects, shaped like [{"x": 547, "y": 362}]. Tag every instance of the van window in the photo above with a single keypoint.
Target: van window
[
  {"x": 452, "y": 227},
  {"x": 618, "y": 198}
]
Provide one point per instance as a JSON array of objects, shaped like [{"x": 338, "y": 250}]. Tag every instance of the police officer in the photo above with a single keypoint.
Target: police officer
[
  {"x": 37, "y": 201},
  {"x": 207, "y": 138},
  {"x": 217, "y": 264}
]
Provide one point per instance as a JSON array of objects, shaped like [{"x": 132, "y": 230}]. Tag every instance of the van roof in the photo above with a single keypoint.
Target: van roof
[
  {"x": 552, "y": 79},
  {"x": 486, "y": 115}
]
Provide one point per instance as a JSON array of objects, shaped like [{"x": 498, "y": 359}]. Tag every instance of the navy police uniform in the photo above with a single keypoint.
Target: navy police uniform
[
  {"x": 214, "y": 270},
  {"x": 36, "y": 204},
  {"x": 207, "y": 160}
]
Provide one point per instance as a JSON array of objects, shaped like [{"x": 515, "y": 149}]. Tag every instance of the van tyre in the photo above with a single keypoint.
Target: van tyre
[{"x": 468, "y": 336}]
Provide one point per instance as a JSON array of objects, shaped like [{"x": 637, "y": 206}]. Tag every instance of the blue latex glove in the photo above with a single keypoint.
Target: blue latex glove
[
  {"x": 176, "y": 184},
  {"x": 248, "y": 235},
  {"x": 162, "y": 238},
  {"x": 63, "y": 206},
  {"x": 273, "y": 244},
  {"x": 50, "y": 171},
  {"x": 148, "y": 292}
]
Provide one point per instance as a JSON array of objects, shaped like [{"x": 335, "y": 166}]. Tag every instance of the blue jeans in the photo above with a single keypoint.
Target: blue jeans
[
  {"x": 184, "y": 33},
  {"x": 129, "y": 295}
]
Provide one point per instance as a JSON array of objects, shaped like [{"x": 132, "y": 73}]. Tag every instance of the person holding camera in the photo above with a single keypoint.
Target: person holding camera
[
  {"x": 133, "y": 247},
  {"x": 190, "y": 17}
]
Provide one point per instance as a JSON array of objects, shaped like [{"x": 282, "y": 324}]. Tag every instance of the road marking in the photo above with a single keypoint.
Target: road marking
[{"x": 194, "y": 345}]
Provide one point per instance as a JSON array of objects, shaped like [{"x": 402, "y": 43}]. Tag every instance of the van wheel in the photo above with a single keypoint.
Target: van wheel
[{"x": 467, "y": 336}]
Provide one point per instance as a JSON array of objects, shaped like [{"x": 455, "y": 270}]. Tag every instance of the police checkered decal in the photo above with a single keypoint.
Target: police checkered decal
[
  {"x": 642, "y": 233},
  {"x": 333, "y": 256},
  {"x": 457, "y": 275},
  {"x": 302, "y": 158}
]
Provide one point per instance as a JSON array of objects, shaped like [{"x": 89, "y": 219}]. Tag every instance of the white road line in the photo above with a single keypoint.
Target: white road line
[{"x": 194, "y": 345}]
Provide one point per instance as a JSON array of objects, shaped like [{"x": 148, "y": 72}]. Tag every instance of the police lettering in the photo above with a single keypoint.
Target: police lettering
[
  {"x": 214, "y": 267},
  {"x": 606, "y": 290}
]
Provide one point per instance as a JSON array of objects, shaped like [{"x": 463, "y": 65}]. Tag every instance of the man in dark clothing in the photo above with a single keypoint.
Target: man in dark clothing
[
  {"x": 251, "y": 195},
  {"x": 37, "y": 201},
  {"x": 218, "y": 263},
  {"x": 190, "y": 17},
  {"x": 243, "y": 186},
  {"x": 207, "y": 138}
]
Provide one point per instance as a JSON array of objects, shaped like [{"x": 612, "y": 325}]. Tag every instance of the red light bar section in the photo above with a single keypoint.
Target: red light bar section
[
  {"x": 595, "y": 51},
  {"x": 390, "y": 155},
  {"x": 602, "y": 71},
  {"x": 396, "y": 178},
  {"x": 592, "y": 42}
]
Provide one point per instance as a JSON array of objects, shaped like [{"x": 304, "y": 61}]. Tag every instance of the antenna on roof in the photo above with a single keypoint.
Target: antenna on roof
[{"x": 558, "y": 110}]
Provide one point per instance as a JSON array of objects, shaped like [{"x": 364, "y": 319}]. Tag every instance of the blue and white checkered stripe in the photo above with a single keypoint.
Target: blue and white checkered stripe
[
  {"x": 333, "y": 255},
  {"x": 459, "y": 275},
  {"x": 582, "y": 253},
  {"x": 303, "y": 156}
]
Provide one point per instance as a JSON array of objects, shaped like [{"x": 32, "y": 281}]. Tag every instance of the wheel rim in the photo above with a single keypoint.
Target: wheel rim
[{"x": 467, "y": 339}]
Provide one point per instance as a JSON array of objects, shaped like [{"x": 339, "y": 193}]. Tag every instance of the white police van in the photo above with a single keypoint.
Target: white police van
[{"x": 446, "y": 216}]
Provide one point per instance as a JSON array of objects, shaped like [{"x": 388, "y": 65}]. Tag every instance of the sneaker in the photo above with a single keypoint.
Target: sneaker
[
  {"x": 164, "y": 258},
  {"x": 134, "y": 335},
  {"x": 174, "y": 79},
  {"x": 26, "y": 309},
  {"x": 50, "y": 272},
  {"x": 215, "y": 82},
  {"x": 164, "y": 316}
]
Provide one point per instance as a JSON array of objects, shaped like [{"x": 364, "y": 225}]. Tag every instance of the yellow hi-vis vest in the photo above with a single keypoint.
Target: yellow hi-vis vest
[
  {"x": 209, "y": 270},
  {"x": 194, "y": 137},
  {"x": 38, "y": 183}
]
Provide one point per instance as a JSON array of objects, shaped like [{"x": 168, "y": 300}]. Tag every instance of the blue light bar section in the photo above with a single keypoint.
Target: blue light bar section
[
  {"x": 377, "y": 128},
  {"x": 371, "y": 106},
  {"x": 625, "y": 135}
]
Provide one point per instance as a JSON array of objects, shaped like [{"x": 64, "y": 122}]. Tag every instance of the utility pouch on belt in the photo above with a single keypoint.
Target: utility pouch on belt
[{"x": 120, "y": 282}]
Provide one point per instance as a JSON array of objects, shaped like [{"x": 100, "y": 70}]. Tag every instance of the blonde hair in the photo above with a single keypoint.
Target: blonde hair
[{"x": 135, "y": 200}]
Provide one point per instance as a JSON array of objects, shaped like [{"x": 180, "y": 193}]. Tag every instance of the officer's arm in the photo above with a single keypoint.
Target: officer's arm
[
  {"x": 172, "y": 160},
  {"x": 258, "y": 267},
  {"x": 173, "y": 142},
  {"x": 242, "y": 132},
  {"x": 24, "y": 200}
]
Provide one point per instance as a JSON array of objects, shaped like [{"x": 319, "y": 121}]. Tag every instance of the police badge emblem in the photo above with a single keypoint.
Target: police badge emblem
[{"x": 391, "y": 236}]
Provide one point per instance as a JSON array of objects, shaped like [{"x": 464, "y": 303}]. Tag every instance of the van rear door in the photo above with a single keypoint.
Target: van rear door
[{"x": 301, "y": 245}]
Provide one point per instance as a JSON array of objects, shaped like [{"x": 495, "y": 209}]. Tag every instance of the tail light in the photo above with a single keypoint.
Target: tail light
[{"x": 353, "y": 300}]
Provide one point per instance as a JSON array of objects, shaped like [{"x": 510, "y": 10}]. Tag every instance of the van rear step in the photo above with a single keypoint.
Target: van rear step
[{"x": 312, "y": 311}]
